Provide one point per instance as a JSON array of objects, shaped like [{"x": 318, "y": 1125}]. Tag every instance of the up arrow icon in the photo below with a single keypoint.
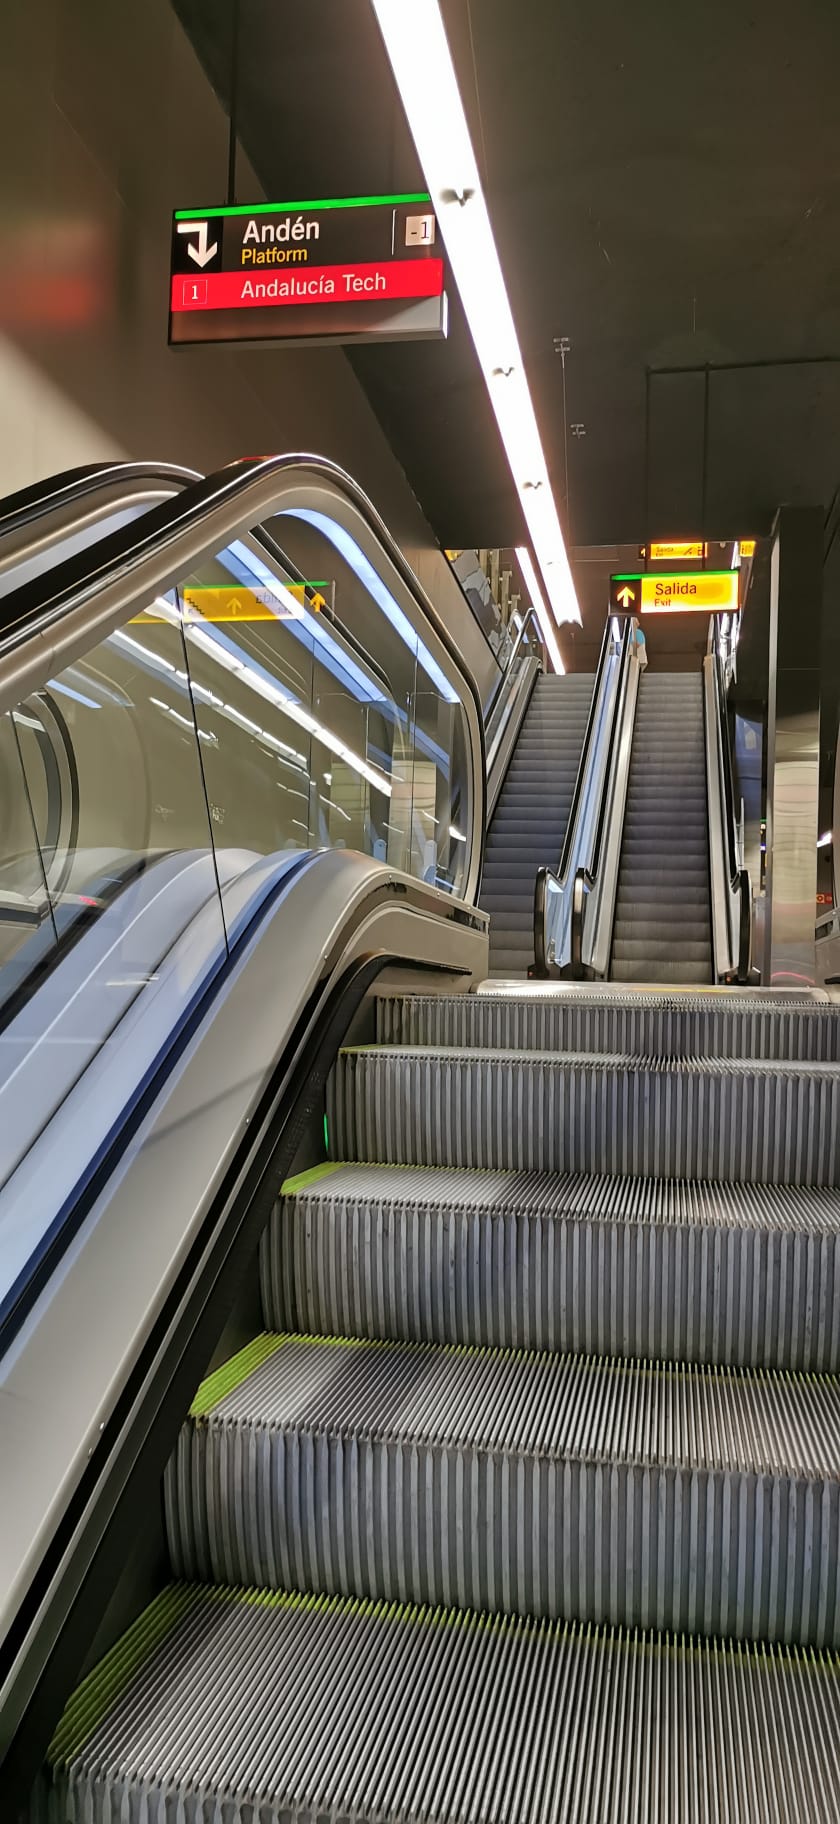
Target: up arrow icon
[
  {"x": 202, "y": 253},
  {"x": 626, "y": 596}
]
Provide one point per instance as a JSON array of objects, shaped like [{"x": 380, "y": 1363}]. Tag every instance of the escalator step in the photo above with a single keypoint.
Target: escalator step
[
  {"x": 254, "y": 1709},
  {"x": 712, "y": 1025},
  {"x": 744, "y": 1275},
  {"x": 411, "y": 1472},
  {"x": 730, "y": 1119},
  {"x": 672, "y": 973},
  {"x": 664, "y": 851}
]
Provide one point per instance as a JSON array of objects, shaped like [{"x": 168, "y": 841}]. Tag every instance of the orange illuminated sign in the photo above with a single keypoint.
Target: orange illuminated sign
[{"x": 747, "y": 547}]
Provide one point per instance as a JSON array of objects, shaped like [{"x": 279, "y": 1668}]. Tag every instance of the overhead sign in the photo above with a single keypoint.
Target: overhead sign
[
  {"x": 233, "y": 602},
  {"x": 360, "y": 268},
  {"x": 698, "y": 591},
  {"x": 677, "y": 553}
]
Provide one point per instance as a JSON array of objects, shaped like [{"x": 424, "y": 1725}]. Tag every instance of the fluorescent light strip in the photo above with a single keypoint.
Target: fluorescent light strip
[
  {"x": 526, "y": 565},
  {"x": 416, "y": 43},
  {"x": 244, "y": 564},
  {"x": 353, "y": 554},
  {"x": 223, "y": 652}
]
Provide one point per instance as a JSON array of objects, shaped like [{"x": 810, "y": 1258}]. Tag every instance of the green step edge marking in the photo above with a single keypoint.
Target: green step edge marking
[
  {"x": 232, "y": 1373},
  {"x": 100, "y": 1689},
  {"x": 301, "y": 1182},
  {"x": 329, "y": 202}
]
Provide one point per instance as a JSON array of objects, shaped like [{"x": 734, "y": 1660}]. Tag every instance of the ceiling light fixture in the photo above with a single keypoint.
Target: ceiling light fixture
[
  {"x": 416, "y": 43},
  {"x": 526, "y": 565}
]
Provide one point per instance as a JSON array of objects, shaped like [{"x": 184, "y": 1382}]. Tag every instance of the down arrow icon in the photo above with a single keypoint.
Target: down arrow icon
[{"x": 202, "y": 253}]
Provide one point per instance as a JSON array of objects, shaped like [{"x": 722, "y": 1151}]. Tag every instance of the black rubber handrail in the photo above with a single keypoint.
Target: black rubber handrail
[
  {"x": 583, "y": 762},
  {"x": 627, "y": 638},
  {"x": 586, "y": 878},
  {"x": 504, "y": 673},
  {"x": 74, "y": 486},
  {"x": 739, "y": 880}
]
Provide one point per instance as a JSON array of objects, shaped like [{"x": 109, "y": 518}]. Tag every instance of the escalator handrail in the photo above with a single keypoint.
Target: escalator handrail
[
  {"x": 738, "y": 875},
  {"x": 558, "y": 877},
  {"x": 273, "y": 550},
  {"x": 503, "y": 678},
  {"x": 627, "y": 639},
  {"x": 97, "y": 586},
  {"x": 583, "y": 763},
  {"x": 730, "y": 818},
  {"x": 496, "y": 699},
  {"x": 55, "y": 494},
  {"x": 39, "y": 604}
]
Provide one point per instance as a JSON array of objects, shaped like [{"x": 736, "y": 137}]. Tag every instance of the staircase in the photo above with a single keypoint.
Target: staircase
[
  {"x": 662, "y": 930},
  {"x": 529, "y": 824},
  {"x": 525, "y": 1505}
]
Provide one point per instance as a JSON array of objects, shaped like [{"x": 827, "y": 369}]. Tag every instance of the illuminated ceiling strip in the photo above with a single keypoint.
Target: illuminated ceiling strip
[
  {"x": 223, "y": 652},
  {"x": 526, "y": 565},
  {"x": 353, "y": 554},
  {"x": 417, "y": 46}
]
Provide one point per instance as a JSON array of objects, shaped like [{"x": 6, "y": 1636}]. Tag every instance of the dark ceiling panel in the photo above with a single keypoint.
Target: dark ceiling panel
[{"x": 664, "y": 183}]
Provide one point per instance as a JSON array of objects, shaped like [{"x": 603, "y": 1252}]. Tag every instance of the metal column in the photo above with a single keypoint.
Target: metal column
[{"x": 793, "y": 746}]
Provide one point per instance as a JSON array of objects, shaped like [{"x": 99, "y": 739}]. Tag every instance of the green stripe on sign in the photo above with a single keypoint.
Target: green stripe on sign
[{"x": 330, "y": 202}]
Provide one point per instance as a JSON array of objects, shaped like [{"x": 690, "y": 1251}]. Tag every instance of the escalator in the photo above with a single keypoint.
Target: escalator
[
  {"x": 475, "y": 1526},
  {"x": 529, "y": 823},
  {"x": 652, "y": 887},
  {"x": 662, "y": 930},
  {"x": 447, "y": 1421}
]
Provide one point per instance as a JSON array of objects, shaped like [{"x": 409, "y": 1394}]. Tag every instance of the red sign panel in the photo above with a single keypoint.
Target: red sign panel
[{"x": 313, "y": 285}]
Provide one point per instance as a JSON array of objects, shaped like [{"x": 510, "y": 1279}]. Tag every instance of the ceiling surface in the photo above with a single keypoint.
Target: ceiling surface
[{"x": 664, "y": 183}]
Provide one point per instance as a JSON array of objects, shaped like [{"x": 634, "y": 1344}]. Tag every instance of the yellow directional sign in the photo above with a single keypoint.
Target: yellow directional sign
[
  {"x": 226, "y": 602},
  {"x": 690, "y": 591},
  {"x": 677, "y": 553}
]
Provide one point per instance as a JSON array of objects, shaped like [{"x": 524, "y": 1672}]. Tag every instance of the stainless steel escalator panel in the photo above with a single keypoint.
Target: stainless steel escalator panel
[
  {"x": 364, "y": 1468},
  {"x": 741, "y": 1121},
  {"x": 292, "y": 1708},
  {"x": 659, "y": 1024},
  {"x": 745, "y": 1275}
]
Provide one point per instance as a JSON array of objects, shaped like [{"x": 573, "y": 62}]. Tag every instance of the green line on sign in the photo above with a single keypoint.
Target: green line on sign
[
  {"x": 331, "y": 202},
  {"x": 665, "y": 576}
]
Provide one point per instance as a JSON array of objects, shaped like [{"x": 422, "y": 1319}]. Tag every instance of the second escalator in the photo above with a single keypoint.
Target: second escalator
[
  {"x": 662, "y": 928},
  {"x": 530, "y": 820}
]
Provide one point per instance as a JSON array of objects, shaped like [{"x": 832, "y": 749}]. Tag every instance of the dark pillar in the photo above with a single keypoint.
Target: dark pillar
[{"x": 793, "y": 746}]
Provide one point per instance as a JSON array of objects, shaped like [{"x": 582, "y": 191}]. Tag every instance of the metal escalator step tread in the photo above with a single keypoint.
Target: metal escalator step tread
[
  {"x": 743, "y": 1025},
  {"x": 663, "y": 910},
  {"x": 734, "y": 1119},
  {"x": 287, "y": 1708},
  {"x": 643, "y": 949},
  {"x": 682, "y": 1270},
  {"x": 666, "y": 924},
  {"x": 668, "y": 974},
  {"x": 322, "y": 1423}
]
